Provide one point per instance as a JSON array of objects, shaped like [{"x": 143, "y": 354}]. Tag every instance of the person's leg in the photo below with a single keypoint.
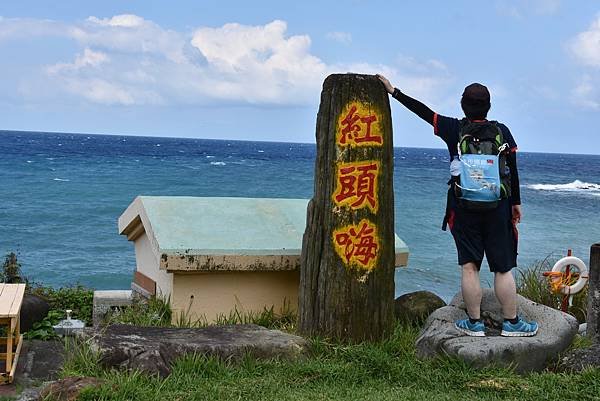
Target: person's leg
[
  {"x": 501, "y": 252},
  {"x": 471, "y": 289},
  {"x": 506, "y": 292}
]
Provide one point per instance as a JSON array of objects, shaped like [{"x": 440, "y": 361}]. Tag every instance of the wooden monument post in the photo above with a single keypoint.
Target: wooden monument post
[
  {"x": 593, "y": 312},
  {"x": 347, "y": 262}
]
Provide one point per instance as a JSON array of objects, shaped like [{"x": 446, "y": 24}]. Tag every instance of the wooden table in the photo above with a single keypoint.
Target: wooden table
[{"x": 11, "y": 298}]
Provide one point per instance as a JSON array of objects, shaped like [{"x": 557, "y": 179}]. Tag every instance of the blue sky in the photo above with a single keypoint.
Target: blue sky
[{"x": 253, "y": 70}]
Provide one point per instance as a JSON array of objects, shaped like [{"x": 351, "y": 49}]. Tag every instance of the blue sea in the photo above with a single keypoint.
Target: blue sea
[{"x": 61, "y": 195}]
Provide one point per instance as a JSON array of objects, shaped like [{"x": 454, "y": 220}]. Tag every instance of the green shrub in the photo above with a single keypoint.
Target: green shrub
[
  {"x": 11, "y": 270},
  {"x": 78, "y": 298},
  {"x": 532, "y": 284}
]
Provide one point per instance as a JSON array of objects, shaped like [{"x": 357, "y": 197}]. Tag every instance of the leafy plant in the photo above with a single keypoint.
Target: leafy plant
[
  {"x": 43, "y": 330},
  {"x": 78, "y": 298}
]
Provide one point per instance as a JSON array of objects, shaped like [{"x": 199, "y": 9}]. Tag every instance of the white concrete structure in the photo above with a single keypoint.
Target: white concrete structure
[{"x": 211, "y": 256}]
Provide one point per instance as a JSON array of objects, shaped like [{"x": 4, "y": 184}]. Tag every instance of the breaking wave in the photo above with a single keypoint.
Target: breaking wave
[{"x": 575, "y": 186}]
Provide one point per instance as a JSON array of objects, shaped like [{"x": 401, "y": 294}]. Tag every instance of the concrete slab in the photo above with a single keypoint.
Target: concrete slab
[
  {"x": 193, "y": 233},
  {"x": 105, "y": 300}
]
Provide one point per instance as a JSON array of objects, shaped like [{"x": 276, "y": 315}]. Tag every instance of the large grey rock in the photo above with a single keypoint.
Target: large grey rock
[
  {"x": 556, "y": 332},
  {"x": 415, "y": 307},
  {"x": 39, "y": 361},
  {"x": 33, "y": 309},
  {"x": 153, "y": 349}
]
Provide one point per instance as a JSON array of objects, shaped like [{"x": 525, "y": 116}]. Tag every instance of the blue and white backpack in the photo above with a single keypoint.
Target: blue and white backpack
[{"x": 484, "y": 177}]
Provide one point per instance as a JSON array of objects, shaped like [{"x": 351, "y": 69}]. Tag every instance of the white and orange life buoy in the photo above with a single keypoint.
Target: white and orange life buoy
[{"x": 559, "y": 271}]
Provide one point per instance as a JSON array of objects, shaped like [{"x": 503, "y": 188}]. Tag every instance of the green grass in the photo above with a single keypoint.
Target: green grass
[
  {"x": 157, "y": 312},
  {"x": 387, "y": 370}
]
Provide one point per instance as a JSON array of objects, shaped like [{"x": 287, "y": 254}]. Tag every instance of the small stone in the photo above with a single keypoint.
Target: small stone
[
  {"x": 440, "y": 337},
  {"x": 415, "y": 307},
  {"x": 68, "y": 389},
  {"x": 583, "y": 329}
]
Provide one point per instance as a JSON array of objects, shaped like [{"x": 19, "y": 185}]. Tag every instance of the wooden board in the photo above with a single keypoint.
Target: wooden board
[{"x": 11, "y": 299}]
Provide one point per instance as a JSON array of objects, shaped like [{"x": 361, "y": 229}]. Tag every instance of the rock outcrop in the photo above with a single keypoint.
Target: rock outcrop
[
  {"x": 154, "y": 349},
  {"x": 555, "y": 334}
]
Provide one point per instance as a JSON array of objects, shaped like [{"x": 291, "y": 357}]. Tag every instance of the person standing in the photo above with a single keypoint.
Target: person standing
[{"x": 478, "y": 230}]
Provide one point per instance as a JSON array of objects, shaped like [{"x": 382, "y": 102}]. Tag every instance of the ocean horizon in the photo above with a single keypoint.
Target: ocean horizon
[{"x": 62, "y": 194}]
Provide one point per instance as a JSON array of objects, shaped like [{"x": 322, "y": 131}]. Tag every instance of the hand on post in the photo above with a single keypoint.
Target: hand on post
[{"x": 386, "y": 83}]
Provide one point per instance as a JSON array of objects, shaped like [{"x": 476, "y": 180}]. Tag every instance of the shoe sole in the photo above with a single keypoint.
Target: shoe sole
[
  {"x": 469, "y": 332},
  {"x": 518, "y": 333}
]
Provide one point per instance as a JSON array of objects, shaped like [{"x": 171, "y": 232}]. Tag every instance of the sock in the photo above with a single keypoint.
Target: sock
[
  {"x": 513, "y": 320},
  {"x": 473, "y": 321}
]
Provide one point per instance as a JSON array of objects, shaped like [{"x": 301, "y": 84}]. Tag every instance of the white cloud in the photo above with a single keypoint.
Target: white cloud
[
  {"x": 341, "y": 37},
  {"x": 89, "y": 58},
  {"x": 125, "y": 20},
  {"x": 586, "y": 45},
  {"x": 128, "y": 60},
  {"x": 259, "y": 63},
  {"x": 521, "y": 8},
  {"x": 586, "y": 93}
]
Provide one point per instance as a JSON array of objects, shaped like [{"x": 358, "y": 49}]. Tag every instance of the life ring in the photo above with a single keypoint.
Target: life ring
[{"x": 560, "y": 266}]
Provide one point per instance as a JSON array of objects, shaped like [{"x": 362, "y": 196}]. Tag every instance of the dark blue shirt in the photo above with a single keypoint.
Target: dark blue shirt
[{"x": 448, "y": 129}]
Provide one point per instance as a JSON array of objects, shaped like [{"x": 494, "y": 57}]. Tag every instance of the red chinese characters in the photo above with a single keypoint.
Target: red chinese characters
[
  {"x": 358, "y": 244},
  {"x": 357, "y": 185},
  {"x": 357, "y": 128}
]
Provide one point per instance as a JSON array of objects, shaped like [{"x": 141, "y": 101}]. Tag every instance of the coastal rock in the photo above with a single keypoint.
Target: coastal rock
[
  {"x": 33, "y": 309},
  {"x": 415, "y": 307},
  {"x": 154, "y": 349},
  {"x": 555, "y": 334},
  {"x": 40, "y": 361},
  {"x": 69, "y": 388}
]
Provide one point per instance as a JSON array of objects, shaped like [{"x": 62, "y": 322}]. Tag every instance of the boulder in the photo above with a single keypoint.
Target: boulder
[
  {"x": 33, "y": 309},
  {"x": 415, "y": 307},
  {"x": 556, "y": 332},
  {"x": 69, "y": 388},
  {"x": 154, "y": 349},
  {"x": 39, "y": 361}
]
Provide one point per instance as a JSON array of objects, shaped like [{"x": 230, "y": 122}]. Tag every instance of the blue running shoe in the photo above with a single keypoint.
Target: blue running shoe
[
  {"x": 470, "y": 329},
  {"x": 519, "y": 329}
]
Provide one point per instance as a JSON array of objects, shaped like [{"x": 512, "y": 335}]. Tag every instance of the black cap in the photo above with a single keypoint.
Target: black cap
[{"x": 476, "y": 93}]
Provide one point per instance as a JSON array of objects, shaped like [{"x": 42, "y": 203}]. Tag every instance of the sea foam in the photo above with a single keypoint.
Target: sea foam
[{"x": 575, "y": 186}]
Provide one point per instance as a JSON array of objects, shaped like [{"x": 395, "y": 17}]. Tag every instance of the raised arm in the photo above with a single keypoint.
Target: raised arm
[{"x": 412, "y": 104}]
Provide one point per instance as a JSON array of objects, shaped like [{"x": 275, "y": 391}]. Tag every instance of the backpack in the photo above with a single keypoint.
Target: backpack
[{"x": 484, "y": 177}]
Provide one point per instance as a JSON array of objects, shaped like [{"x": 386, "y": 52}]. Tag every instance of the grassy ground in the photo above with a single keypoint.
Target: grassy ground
[{"x": 384, "y": 371}]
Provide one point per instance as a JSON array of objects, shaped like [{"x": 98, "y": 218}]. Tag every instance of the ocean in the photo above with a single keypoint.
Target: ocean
[{"x": 61, "y": 195}]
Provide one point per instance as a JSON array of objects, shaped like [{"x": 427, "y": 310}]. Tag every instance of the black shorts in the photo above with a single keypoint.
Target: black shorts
[{"x": 489, "y": 231}]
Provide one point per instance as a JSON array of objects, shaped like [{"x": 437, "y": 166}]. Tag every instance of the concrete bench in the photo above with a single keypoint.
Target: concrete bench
[{"x": 107, "y": 300}]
